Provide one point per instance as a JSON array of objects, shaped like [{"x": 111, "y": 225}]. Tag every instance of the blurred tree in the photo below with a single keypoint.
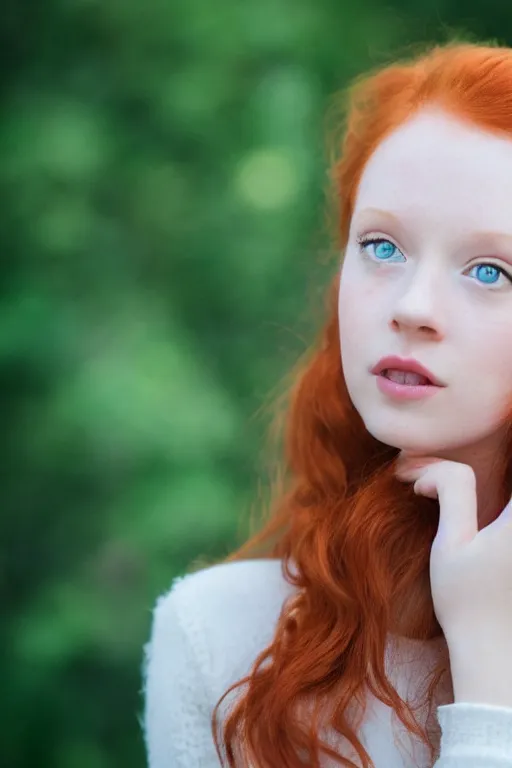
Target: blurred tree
[{"x": 163, "y": 180}]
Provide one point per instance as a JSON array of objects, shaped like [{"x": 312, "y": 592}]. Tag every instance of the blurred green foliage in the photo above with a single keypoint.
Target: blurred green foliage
[{"x": 163, "y": 175}]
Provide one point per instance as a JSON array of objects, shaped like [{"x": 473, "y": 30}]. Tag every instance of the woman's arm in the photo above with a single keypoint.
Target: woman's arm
[{"x": 475, "y": 736}]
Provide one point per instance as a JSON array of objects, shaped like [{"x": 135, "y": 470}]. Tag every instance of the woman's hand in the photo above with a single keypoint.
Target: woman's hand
[{"x": 471, "y": 579}]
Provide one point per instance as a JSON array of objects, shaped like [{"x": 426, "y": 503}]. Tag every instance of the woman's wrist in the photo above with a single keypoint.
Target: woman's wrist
[{"x": 481, "y": 672}]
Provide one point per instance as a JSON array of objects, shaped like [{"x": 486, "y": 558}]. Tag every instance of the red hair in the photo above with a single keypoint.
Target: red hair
[{"x": 352, "y": 539}]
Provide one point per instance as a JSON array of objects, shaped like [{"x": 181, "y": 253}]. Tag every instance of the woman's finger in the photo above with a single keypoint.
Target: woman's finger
[{"x": 458, "y": 518}]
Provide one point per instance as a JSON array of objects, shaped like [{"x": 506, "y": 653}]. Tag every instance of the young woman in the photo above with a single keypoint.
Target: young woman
[{"x": 370, "y": 622}]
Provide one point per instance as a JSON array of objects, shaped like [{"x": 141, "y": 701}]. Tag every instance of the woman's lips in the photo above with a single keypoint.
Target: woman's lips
[
  {"x": 409, "y": 386},
  {"x": 405, "y": 365},
  {"x": 405, "y": 377}
]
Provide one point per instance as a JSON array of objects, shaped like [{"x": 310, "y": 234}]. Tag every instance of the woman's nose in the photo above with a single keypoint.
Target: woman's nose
[{"x": 419, "y": 307}]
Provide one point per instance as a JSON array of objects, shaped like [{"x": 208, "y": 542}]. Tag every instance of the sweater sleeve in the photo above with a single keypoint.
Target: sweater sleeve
[
  {"x": 177, "y": 715},
  {"x": 475, "y": 736}
]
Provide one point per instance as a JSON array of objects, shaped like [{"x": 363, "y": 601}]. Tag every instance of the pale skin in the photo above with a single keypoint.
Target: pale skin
[
  {"x": 436, "y": 284},
  {"x": 471, "y": 580}
]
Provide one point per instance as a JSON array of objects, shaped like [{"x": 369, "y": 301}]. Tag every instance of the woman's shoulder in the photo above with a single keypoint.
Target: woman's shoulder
[
  {"x": 207, "y": 630},
  {"x": 225, "y": 613},
  {"x": 226, "y": 587}
]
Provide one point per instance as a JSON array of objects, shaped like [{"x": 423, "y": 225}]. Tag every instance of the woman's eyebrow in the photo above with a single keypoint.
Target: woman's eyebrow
[
  {"x": 373, "y": 215},
  {"x": 488, "y": 243},
  {"x": 494, "y": 239}
]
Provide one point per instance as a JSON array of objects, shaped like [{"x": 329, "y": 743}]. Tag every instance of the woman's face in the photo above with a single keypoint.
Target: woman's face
[{"x": 436, "y": 287}]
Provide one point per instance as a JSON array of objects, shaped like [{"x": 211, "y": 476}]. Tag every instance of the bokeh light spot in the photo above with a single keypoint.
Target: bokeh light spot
[{"x": 268, "y": 179}]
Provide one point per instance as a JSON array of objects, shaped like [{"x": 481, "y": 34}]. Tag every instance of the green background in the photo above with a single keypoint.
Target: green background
[{"x": 165, "y": 247}]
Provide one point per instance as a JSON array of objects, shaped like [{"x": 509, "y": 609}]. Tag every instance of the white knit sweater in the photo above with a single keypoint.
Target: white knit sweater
[{"x": 208, "y": 630}]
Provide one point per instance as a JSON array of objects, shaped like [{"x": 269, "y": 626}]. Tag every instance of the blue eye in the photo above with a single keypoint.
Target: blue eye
[
  {"x": 387, "y": 252},
  {"x": 383, "y": 250},
  {"x": 488, "y": 274}
]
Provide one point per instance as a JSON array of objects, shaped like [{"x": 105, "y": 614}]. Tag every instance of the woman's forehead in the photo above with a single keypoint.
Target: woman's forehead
[{"x": 435, "y": 169}]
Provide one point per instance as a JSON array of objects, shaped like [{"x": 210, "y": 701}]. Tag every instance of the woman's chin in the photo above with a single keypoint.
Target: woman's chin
[{"x": 403, "y": 440}]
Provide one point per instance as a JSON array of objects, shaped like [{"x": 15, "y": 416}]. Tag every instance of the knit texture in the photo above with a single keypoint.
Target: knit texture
[{"x": 207, "y": 631}]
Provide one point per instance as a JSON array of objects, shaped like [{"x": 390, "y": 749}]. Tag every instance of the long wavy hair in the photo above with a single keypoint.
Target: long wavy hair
[{"x": 353, "y": 540}]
